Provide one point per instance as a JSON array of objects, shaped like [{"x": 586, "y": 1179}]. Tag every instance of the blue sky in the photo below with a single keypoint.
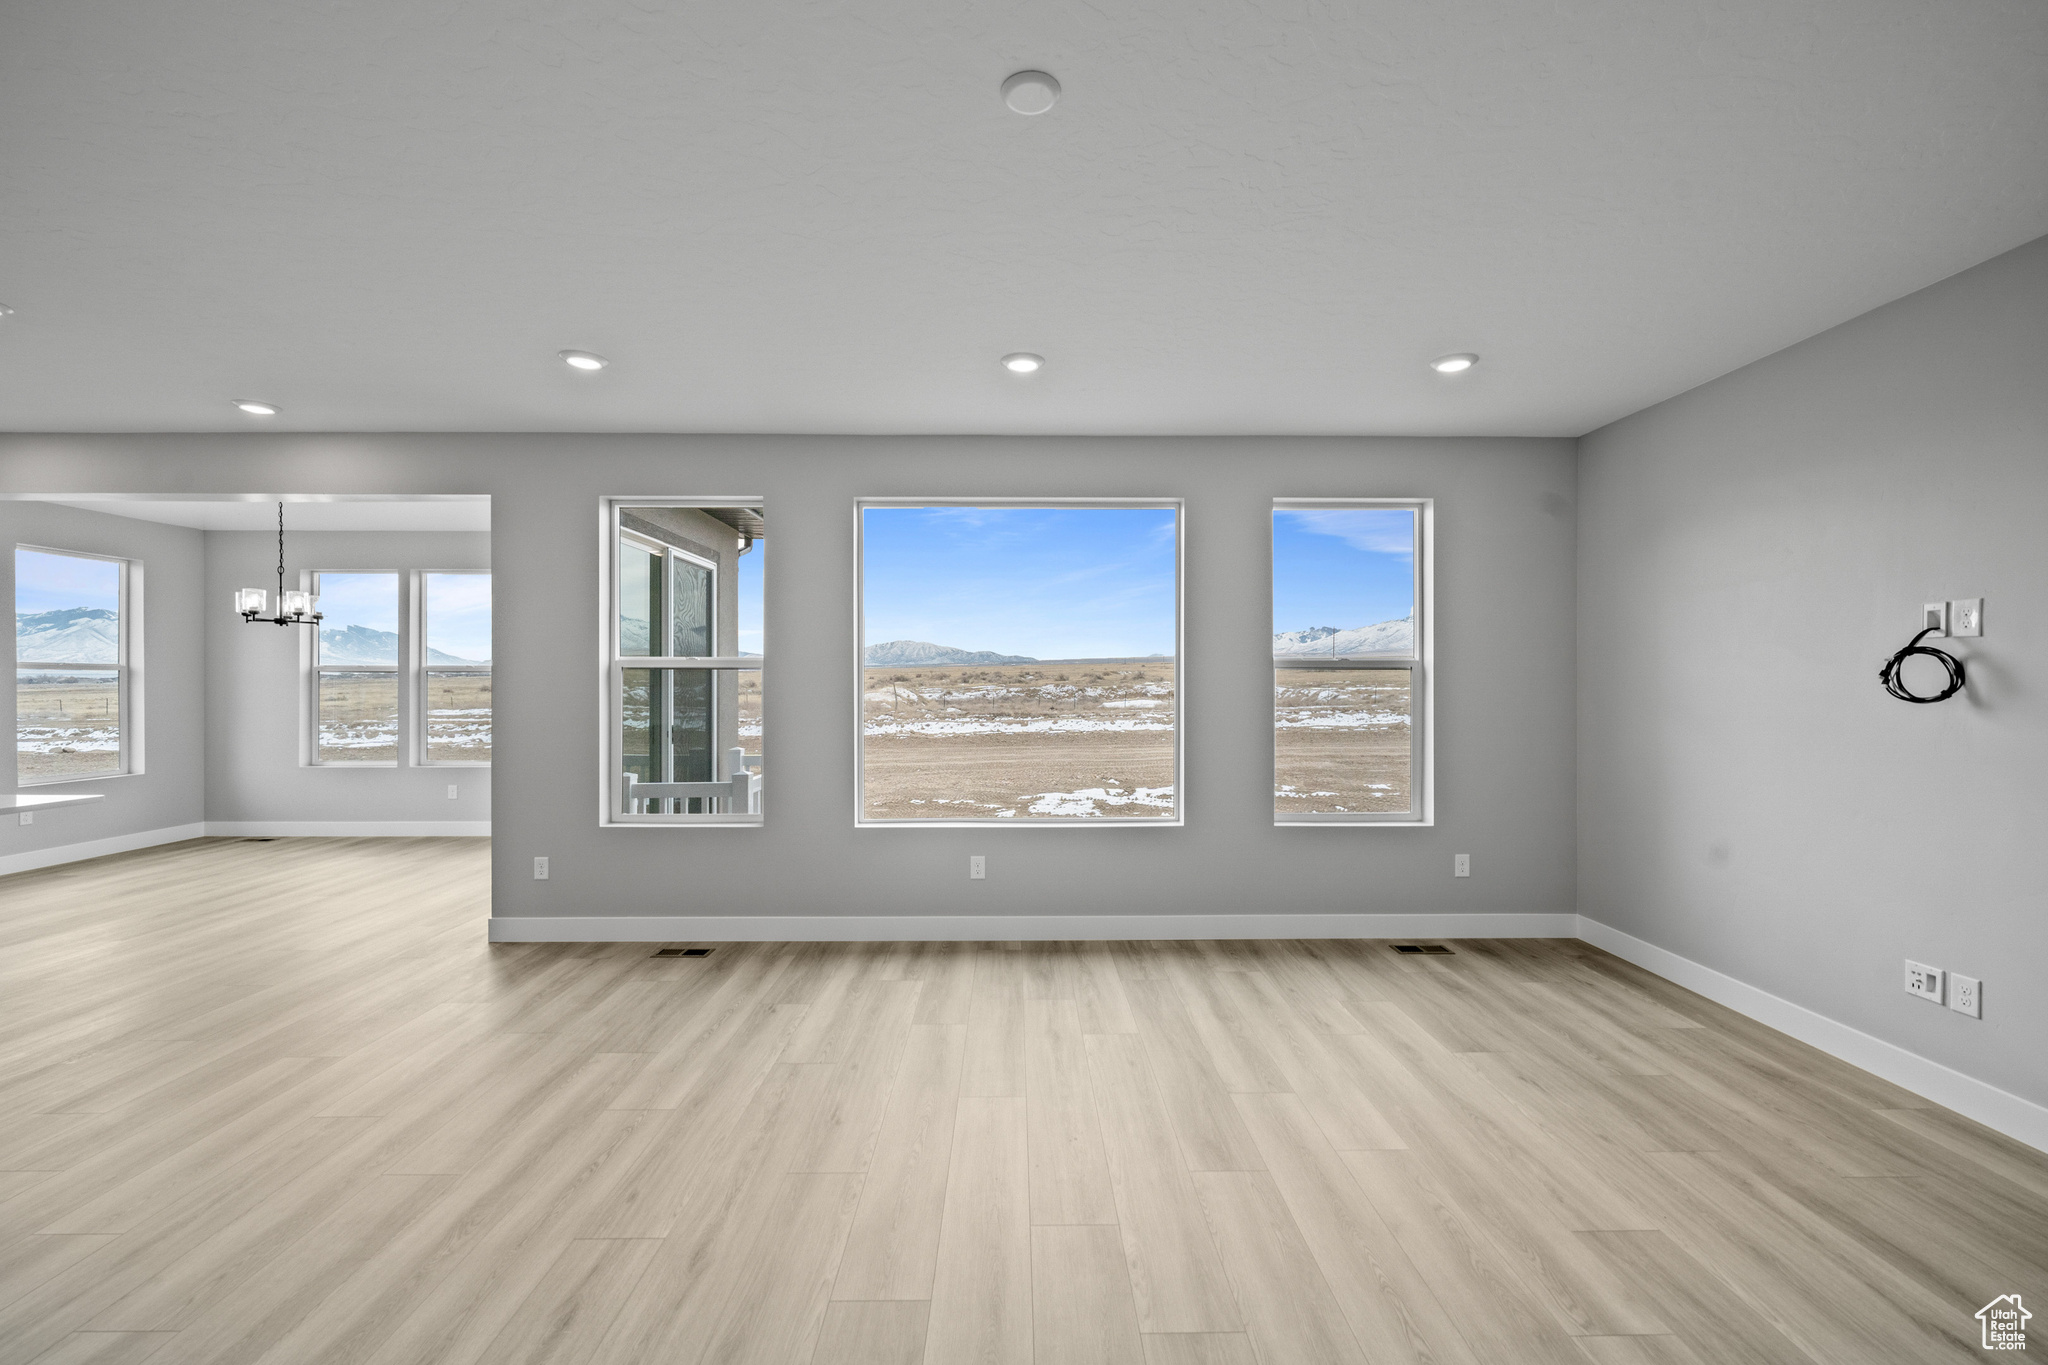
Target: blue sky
[
  {"x": 458, "y": 614},
  {"x": 751, "y": 566},
  {"x": 1048, "y": 582},
  {"x": 46, "y": 582},
  {"x": 1342, "y": 567},
  {"x": 357, "y": 599}
]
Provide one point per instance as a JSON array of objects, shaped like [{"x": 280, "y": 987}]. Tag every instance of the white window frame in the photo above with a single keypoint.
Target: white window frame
[
  {"x": 1420, "y": 666},
  {"x": 612, "y": 666},
  {"x": 311, "y": 668},
  {"x": 1178, "y": 506},
  {"x": 127, "y": 671},
  {"x": 423, "y": 671}
]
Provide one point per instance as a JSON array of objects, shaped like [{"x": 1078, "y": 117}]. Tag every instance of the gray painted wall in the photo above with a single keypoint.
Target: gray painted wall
[
  {"x": 1505, "y": 675},
  {"x": 171, "y": 790},
  {"x": 1749, "y": 552},
  {"x": 253, "y": 710}
]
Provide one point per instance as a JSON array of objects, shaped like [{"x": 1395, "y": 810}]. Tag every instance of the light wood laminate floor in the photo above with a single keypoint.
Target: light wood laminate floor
[{"x": 280, "y": 1102}]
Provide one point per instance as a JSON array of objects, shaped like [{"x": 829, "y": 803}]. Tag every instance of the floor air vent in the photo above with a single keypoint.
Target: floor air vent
[
  {"x": 683, "y": 952},
  {"x": 1420, "y": 948}
]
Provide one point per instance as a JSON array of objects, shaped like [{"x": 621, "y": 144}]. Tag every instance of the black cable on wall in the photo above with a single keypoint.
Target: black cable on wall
[{"x": 1896, "y": 685}]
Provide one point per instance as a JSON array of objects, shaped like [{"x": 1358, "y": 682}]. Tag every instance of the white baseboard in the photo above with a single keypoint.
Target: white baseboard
[
  {"x": 349, "y": 829},
  {"x": 244, "y": 829},
  {"x": 2011, "y": 1115},
  {"x": 98, "y": 848},
  {"x": 1008, "y": 928}
]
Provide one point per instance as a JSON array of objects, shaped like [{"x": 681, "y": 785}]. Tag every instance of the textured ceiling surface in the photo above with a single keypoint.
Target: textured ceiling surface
[{"x": 1243, "y": 216}]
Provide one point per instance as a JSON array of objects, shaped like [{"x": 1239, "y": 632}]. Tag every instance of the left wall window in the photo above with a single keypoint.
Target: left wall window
[
  {"x": 76, "y": 705},
  {"x": 355, "y": 702}
]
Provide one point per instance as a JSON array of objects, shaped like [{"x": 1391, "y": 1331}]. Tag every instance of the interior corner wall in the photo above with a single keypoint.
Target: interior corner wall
[
  {"x": 255, "y": 712},
  {"x": 1504, "y": 668},
  {"x": 166, "y": 799},
  {"x": 1749, "y": 553}
]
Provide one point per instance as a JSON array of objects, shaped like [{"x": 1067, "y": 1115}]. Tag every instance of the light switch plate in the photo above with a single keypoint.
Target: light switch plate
[
  {"x": 1966, "y": 995},
  {"x": 1966, "y": 616},
  {"x": 1923, "y": 980}
]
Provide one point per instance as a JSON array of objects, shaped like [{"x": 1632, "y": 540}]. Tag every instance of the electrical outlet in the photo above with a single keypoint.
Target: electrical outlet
[
  {"x": 28, "y": 817},
  {"x": 977, "y": 868},
  {"x": 1461, "y": 864},
  {"x": 1966, "y": 616},
  {"x": 451, "y": 791},
  {"x": 1924, "y": 981},
  {"x": 1966, "y": 995},
  {"x": 540, "y": 869},
  {"x": 1934, "y": 617}
]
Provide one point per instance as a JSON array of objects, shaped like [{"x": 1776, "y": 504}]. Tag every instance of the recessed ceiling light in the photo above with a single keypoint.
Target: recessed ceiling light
[
  {"x": 1454, "y": 364},
  {"x": 1023, "y": 362},
  {"x": 5, "y": 310},
  {"x": 1030, "y": 92},
  {"x": 583, "y": 360},
  {"x": 256, "y": 409}
]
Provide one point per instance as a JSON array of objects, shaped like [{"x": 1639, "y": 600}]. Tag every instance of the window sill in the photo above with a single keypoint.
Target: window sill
[{"x": 68, "y": 781}]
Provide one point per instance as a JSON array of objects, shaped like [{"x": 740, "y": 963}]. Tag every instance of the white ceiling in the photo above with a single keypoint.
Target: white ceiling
[
  {"x": 817, "y": 215},
  {"x": 449, "y": 513}
]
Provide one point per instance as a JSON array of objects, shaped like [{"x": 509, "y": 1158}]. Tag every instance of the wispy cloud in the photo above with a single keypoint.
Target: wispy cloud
[{"x": 1375, "y": 530}]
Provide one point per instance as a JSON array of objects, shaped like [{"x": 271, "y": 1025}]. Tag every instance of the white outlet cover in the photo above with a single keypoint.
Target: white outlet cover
[
  {"x": 1461, "y": 865},
  {"x": 1935, "y": 615},
  {"x": 1966, "y": 995},
  {"x": 1966, "y": 616},
  {"x": 1924, "y": 981},
  {"x": 540, "y": 869},
  {"x": 977, "y": 867}
]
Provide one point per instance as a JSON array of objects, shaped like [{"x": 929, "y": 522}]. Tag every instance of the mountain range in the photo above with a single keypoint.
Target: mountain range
[
  {"x": 918, "y": 654},
  {"x": 69, "y": 635},
  {"x": 1384, "y": 637},
  {"x": 362, "y": 645}
]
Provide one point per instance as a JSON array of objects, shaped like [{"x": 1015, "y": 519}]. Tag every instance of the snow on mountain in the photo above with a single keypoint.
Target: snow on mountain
[
  {"x": 918, "y": 654},
  {"x": 362, "y": 645},
  {"x": 1385, "y": 637},
  {"x": 69, "y": 635}
]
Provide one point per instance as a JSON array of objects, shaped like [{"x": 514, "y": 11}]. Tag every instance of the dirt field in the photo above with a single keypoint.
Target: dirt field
[
  {"x": 1019, "y": 741},
  {"x": 358, "y": 718},
  {"x": 66, "y": 729},
  {"x": 1340, "y": 740},
  {"x": 458, "y": 718}
]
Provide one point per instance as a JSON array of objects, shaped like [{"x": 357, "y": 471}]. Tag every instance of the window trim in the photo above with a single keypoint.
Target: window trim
[
  {"x": 612, "y": 666},
  {"x": 423, "y": 672},
  {"x": 1420, "y": 666},
  {"x": 1178, "y": 819},
  {"x": 127, "y": 671}
]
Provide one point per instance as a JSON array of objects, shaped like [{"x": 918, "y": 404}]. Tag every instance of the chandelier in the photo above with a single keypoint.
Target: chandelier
[{"x": 294, "y": 608}]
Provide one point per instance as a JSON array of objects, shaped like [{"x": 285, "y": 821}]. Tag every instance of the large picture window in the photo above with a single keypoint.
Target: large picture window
[
  {"x": 455, "y": 668},
  {"x": 75, "y": 700},
  {"x": 1350, "y": 686},
  {"x": 1020, "y": 663},
  {"x": 684, "y": 645}
]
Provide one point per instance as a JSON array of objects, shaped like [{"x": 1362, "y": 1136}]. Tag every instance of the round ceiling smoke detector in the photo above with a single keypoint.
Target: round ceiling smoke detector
[{"x": 1030, "y": 92}]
